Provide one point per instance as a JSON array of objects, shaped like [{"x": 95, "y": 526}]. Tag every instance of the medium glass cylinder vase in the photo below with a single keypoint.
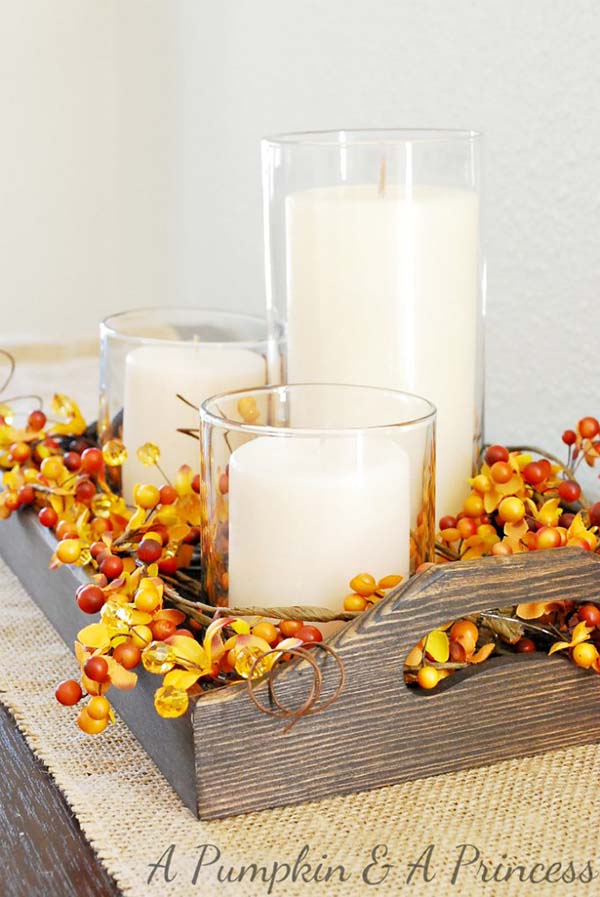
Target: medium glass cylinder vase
[
  {"x": 374, "y": 269},
  {"x": 308, "y": 485}
]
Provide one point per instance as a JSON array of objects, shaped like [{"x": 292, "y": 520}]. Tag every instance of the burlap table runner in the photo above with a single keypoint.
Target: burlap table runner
[{"x": 536, "y": 811}]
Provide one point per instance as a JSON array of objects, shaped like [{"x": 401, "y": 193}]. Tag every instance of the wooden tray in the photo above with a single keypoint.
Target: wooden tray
[{"x": 228, "y": 757}]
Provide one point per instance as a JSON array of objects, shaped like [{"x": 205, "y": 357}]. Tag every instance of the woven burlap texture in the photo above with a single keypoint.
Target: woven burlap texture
[{"x": 528, "y": 811}]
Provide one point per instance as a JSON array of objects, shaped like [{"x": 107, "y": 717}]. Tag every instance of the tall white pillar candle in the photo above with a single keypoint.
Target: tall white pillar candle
[
  {"x": 383, "y": 291},
  {"x": 308, "y": 513},
  {"x": 154, "y": 375}
]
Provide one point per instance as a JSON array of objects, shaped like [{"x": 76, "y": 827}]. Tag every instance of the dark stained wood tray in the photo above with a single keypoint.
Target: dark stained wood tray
[{"x": 229, "y": 758}]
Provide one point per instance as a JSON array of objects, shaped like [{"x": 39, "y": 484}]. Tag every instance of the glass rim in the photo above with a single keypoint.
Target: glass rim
[
  {"x": 109, "y": 326},
  {"x": 371, "y": 137},
  {"x": 208, "y": 416}
]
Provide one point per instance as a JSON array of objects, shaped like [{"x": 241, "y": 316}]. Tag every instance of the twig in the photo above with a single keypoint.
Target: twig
[{"x": 446, "y": 552}]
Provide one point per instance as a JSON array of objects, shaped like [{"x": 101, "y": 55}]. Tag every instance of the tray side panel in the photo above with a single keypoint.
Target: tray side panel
[{"x": 378, "y": 731}]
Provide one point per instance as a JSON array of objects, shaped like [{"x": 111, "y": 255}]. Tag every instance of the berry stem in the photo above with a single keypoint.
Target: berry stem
[{"x": 446, "y": 552}]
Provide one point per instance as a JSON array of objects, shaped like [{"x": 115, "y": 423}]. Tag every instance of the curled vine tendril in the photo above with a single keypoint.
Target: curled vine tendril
[
  {"x": 311, "y": 704},
  {"x": 7, "y": 380}
]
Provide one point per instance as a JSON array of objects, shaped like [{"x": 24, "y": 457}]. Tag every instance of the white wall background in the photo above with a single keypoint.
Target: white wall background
[{"x": 129, "y": 156}]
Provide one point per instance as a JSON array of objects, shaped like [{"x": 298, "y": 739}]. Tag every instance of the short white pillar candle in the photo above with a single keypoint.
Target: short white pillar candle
[{"x": 306, "y": 514}]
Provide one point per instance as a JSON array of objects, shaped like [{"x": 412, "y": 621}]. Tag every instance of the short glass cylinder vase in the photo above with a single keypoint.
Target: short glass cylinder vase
[
  {"x": 374, "y": 269},
  {"x": 308, "y": 485},
  {"x": 149, "y": 357}
]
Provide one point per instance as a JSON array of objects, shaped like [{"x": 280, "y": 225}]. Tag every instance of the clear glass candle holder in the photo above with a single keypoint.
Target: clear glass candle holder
[
  {"x": 308, "y": 485},
  {"x": 150, "y": 356},
  {"x": 374, "y": 269}
]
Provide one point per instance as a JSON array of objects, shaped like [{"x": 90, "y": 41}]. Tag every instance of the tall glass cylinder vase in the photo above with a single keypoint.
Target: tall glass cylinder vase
[{"x": 374, "y": 268}]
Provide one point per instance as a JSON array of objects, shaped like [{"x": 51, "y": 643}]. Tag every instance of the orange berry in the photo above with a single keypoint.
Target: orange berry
[
  {"x": 266, "y": 631},
  {"x": 20, "y": 452},
  {"x": 355, "y": 603},
  {"x": 98, "y": 708},
  {"x": 68, "y": 692},
  {"x": 162, "y": 629},
  {"x": 428, "y": 677},
  {"x": 66, "y": 530},
  {"x": 52, "y": 467},
  {"x": 147, "y": 600},
  {"x": 466, "y": 527},
  {"x": 496, "y": 453},
  {"x": 127, "y": 654},
  {"x": 473, "y": 506},
  {"x": 68, "y": 551},
  {"x": 588, "y": 427},
  {"x": 289, "y": 628},
  {"x": 141, "y": 636},
  {"x": 147, "y": 496},
  {"x": 450, "y": 535},
  {"x": 511, "y": 509},
  {"x": 482, "y": 483},
  {"x": 390, "y": 582},
  {"x": 548, "y": 537},
  {"x": 465, "y": 633},
  {"x": 89, "y": 725},
  {"x": 486, "y": 530},
  {"x": 501, "y": 549},
  {"x": 501, "y": 472},
  {"x": 584, "y": 655},
  {"x": 364, "y": 584}
]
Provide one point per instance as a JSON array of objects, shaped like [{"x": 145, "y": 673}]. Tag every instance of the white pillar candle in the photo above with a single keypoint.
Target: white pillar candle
[
  {"x": 308, "y": 513},
  {"x": 383, "y": 291},
  {"x": 154, "y": 375}
]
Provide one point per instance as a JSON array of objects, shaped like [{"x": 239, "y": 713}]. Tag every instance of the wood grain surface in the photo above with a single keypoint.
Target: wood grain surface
[
  {"x": 43, "y": 852},
  {"x": 380, "y": 732}
]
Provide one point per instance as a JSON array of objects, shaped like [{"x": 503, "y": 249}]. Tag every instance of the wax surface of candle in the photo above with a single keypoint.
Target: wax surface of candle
[
  {"x": 154, "y": 375},
  {"x": 307, "y": 514},
  {"x": 383, "y": 291}
]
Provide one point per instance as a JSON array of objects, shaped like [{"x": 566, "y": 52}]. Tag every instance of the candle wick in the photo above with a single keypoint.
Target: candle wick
[{"x": 382, "y": 176}]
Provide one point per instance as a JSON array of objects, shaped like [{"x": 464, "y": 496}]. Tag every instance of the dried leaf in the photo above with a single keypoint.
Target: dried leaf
[
  {"x": 189, "y": 651},
  {"x": 175, "y": 616},
  {"x": 536, "y": 609},
  {"x": 437, "y": 646},
  {"x": 483, "y": 653},
  {"x": 508, "y": 630},
  {"x": 558, "y": 646},
  {"x": 181, "y": 679},
  {"x": 95, "y": 636},
  {"x": 119, "y": 676},
  {"x": 516, "y": 531},
  {"x": 415, "y": 657}
]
